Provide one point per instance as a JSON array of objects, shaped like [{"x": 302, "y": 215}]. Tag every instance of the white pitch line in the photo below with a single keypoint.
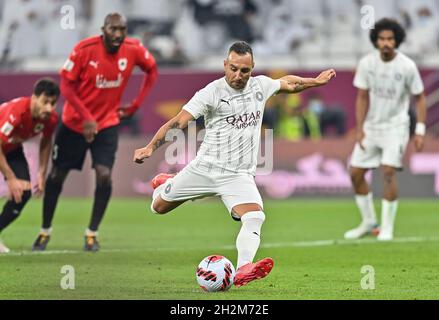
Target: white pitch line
[
  {"x": 298, "y": 244},
  {"x": 319, "y": 243},
  {"x": 51, "y": 252}
]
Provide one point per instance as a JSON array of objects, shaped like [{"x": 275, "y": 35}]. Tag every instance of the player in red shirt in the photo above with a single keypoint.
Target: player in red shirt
[
  {"x": 20, "y": 120},
  {"x": 93, "y": 80}
]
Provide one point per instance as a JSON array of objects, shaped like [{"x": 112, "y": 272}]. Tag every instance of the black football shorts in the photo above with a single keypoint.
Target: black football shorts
[
  {"x": 70, "y": 148},
  {"x": 18, "y": 164}
]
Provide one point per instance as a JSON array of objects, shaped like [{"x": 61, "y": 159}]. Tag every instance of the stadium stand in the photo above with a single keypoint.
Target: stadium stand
[{"x": 195, "y": 33}]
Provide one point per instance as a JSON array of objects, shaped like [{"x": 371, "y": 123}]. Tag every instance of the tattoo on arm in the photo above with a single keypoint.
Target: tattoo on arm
[
  {"x": 159, "y": 143},
  {"x": 162, "y": 141},
  {"x": 299, "y": 86}
]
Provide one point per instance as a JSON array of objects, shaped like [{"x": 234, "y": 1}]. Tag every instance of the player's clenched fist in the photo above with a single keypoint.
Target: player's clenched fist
[{"x": 142, "y": 153}]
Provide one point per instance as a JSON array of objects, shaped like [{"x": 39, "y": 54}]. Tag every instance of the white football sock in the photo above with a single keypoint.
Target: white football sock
[
  {"x": 388, "y": 214},
  {"x": 91, "y": 233},
  {"x": 249, "y": 237},
  {"x": 366, "y": 207},
  {"x": 47, "y": 232},
  {"x": 155, "y": 194}
]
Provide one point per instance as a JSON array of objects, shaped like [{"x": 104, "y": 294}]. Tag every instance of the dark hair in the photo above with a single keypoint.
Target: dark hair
[
  {"x": 241, "y": 48},
  {"x": 46, "y": 86},
  {"x": 388, "y": 24}
]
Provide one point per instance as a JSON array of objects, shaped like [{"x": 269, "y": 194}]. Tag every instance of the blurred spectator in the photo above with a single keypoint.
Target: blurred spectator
[
  {"x": 344, "y": 17},
  {"x": 382, "y": 9},
  {"x": 153, "y": 11},
  {"x": 331, "y": 120},
  {"x": 422, "y": 26},
  {"x": 289, "y": 126},
  {"x": 294, "y": 123},
  {"x": 236, "y": 16},
  {"x": 281, "y": 33},
  {"x": 21, "y": 35},
  {"x": 312, "y": 32},
  {"x": 100, "y": 8},
  {"x": 154, "y": 22},
  {"x": 211, "y": 24},
  {"x": 197, "y": 30},
  {"x": 60, "y": 41}
]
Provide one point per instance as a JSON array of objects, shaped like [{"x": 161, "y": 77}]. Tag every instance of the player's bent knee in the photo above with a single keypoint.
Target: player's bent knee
[
  {"x": 56, "y": 176},
  {"x": 357, "y": 176},
  {"x": 388, "y": 171},
  {"x": 104, "y": 180},
  {"x": 159, "y": 208},
  {"x": 25, "y": 197},
  {"x": 389, "y": 174},
  {"x": 103, "y": 175}
]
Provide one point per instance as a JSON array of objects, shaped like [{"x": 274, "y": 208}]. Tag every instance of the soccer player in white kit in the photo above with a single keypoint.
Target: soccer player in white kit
[
  {"x": 226, "y": 161},
  {"x": 386, "y": 79}
]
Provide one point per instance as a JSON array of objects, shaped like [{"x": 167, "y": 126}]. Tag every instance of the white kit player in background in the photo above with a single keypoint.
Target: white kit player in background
[
  {"x": 386, "y": 79},
  {"x": 226, "y": 162}
]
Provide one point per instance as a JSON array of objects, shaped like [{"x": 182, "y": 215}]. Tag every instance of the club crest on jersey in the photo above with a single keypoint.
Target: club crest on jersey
[
  {"x": 38, "y": 128},
  {"x": 123, "y": 64},
  {"x": 7, "y": 128}
]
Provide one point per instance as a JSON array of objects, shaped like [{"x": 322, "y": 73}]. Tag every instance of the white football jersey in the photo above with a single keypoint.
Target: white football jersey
[
  {"x": 233, "y": 121},
  {"x": 390, "y": 85}
]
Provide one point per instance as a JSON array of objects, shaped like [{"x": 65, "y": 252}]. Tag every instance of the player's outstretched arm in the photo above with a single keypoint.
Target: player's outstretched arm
[
  {"x": 295, "y": 84},
  {"x": 180, "y": 121}
]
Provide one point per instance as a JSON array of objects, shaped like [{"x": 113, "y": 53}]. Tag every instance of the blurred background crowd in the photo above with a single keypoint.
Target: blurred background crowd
[
  {"x": 193, "y": 36},
  {"x": 194, "y": 32}
]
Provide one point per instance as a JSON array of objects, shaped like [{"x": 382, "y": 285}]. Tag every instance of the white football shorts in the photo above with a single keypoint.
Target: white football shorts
[
  {"x": 191, "y": 184},
  {"x": 381, "y": 148}
]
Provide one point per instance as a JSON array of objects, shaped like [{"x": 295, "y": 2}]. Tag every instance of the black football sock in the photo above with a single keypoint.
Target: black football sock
[
  {"x": 54, "y": 184},
  {"x": 52, "y": 191},
  {"x": 102, "y": 197},
  {"x": 11, "y": 210}
]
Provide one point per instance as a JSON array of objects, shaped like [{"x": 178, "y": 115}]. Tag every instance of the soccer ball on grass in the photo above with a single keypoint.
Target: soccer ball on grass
[{"x": 215, "y": 273}]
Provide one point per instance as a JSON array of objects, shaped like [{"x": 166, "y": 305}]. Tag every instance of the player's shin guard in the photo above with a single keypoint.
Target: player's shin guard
[
  {"x": 51, "y": 194},
  {"x": 102, "y": 197},
  {"x": 12, "y": 209},
  {"x": 248, "y": 239}
]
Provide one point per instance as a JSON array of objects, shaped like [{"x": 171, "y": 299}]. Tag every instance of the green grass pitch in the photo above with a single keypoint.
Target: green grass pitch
[{"x": 146, "y": 256}]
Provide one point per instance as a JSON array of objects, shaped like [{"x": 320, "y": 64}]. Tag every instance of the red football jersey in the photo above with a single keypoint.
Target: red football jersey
[
  {"x": 17, "y": 125},
  {"x": 102, "y": 78}
]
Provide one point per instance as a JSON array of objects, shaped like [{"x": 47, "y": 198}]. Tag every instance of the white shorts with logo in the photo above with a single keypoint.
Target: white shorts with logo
[
  {"x": 190, "y": 184},
  {"x": 381, "y": 148}
]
